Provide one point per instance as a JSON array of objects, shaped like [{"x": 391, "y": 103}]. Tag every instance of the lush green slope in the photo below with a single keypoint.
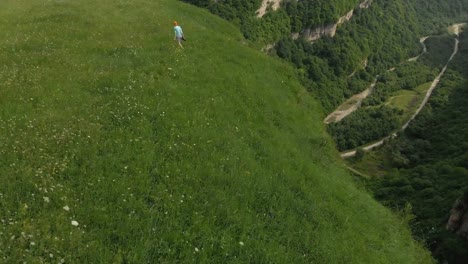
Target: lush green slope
[{"x": 119, "y": 147}]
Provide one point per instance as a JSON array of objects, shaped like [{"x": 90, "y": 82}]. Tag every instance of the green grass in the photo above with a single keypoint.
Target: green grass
[
  {"x": 402, "y": 99},
  {"x": 373, "y": 164},
  {"x": 408, "y": 100},
  {"x": 211, "y": 154},
  {"x": 422, "y": 89}
]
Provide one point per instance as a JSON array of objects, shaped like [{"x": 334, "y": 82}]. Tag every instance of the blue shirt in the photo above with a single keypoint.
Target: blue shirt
[{"x": 178, "y": 31}]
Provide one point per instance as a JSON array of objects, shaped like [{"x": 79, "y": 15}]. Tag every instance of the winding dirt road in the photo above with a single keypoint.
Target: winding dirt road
[
  {"x": 421, "y": 40},
  {"x": 456, "y": 31},
  {"x": 353, "y": 103}
]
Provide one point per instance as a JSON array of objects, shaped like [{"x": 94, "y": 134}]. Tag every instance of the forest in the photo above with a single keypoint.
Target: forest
[
  {"x": 373, "y": 41},
  {"x": 338, "y": 67},
  {"x": 377, "y": 116},
  {"x": 427, "y": 165}
]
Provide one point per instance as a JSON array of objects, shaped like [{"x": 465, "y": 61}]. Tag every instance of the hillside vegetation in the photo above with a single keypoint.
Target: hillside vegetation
[
  {"x": 375, "y": 39},
  {"x": 377, "y": 116},
  {"x": 119, "y": 147},
  {"x": 427, "y": 165}
]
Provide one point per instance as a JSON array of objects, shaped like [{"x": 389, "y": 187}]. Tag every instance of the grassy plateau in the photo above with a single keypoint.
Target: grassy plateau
[{"x": 117, "y": 146}]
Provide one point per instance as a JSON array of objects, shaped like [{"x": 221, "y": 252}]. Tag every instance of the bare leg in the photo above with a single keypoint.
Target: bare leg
[{"x": 179, "y": 41}]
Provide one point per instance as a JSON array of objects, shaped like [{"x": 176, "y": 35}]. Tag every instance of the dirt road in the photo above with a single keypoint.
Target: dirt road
[
  {"x": 456, "y": 31},
  {"x": 350, "y": 105},
  {"x": 421, "y": 40},
  {"x": 353, "y": 103}
]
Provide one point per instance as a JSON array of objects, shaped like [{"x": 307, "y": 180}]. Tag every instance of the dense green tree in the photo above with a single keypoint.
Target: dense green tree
[{"x": 363, "y": 127}]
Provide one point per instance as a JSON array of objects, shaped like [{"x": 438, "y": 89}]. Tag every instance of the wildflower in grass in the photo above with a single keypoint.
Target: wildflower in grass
[
  {"x": 196, "y": 249},
  {"x": 241, "y": 243},
  {"x": 66, "y": 208},
  {"x": 74, "y": 223},
  {"x": 46, "y": 199}
]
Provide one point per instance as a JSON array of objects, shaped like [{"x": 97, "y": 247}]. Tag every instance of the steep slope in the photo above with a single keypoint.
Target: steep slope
[
  {"x": 117, "y": 146},
  {"x": 427, "y": 164}
]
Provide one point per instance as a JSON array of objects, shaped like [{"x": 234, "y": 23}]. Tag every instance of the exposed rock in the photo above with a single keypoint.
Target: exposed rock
[
  {"x": 346, "y": 17},
  {"x": 365, "y": 4},
  {"x": 295, "y": 35},
  {"x": 327, "y": 30},
  {"x": 458, "y": 220},
  {"x": 268, "y": 48},
  {"x": 275, "y": 4},
  {"x": 313, "y": 34}
]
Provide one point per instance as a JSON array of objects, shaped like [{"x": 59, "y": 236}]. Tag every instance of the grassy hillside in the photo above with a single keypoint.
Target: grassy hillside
[{"x": 116, "y": 146}]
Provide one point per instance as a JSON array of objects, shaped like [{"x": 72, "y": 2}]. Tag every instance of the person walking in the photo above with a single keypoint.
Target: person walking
[{"x": 178, "y": 34}]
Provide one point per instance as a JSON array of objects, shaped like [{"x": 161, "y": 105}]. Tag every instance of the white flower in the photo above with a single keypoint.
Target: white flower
[
  {"x": 74, "y": 223},
  {"x": 32, "y": 244},
  {"x": 46, "y": 199},
  {"x": 241, "y": 243},
  {"x": 196, "y": 249},
  {"x": 66, "y": 208}
]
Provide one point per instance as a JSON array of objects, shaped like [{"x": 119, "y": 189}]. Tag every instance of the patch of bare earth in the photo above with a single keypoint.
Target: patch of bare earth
[
  {"x": 275, "y": 4},
  {"x": 349, "y": 106}
]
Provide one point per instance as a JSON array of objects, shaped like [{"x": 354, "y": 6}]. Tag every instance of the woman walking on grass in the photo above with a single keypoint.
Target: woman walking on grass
[{"x": 178, "y": 34}]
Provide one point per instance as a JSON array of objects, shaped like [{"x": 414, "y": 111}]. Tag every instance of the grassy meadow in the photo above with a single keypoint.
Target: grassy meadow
[
  {"x": 408, "y": 100},
  {"x": 119, "y": 147}
]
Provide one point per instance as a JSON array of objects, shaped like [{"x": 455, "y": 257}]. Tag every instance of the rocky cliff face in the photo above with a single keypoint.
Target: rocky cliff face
[
  {"x": 313, "y": 34},
  {"x": 275, "y": 4},
  {"x": 458, "y": 220},
  {"x": 365, "y": 4}
]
